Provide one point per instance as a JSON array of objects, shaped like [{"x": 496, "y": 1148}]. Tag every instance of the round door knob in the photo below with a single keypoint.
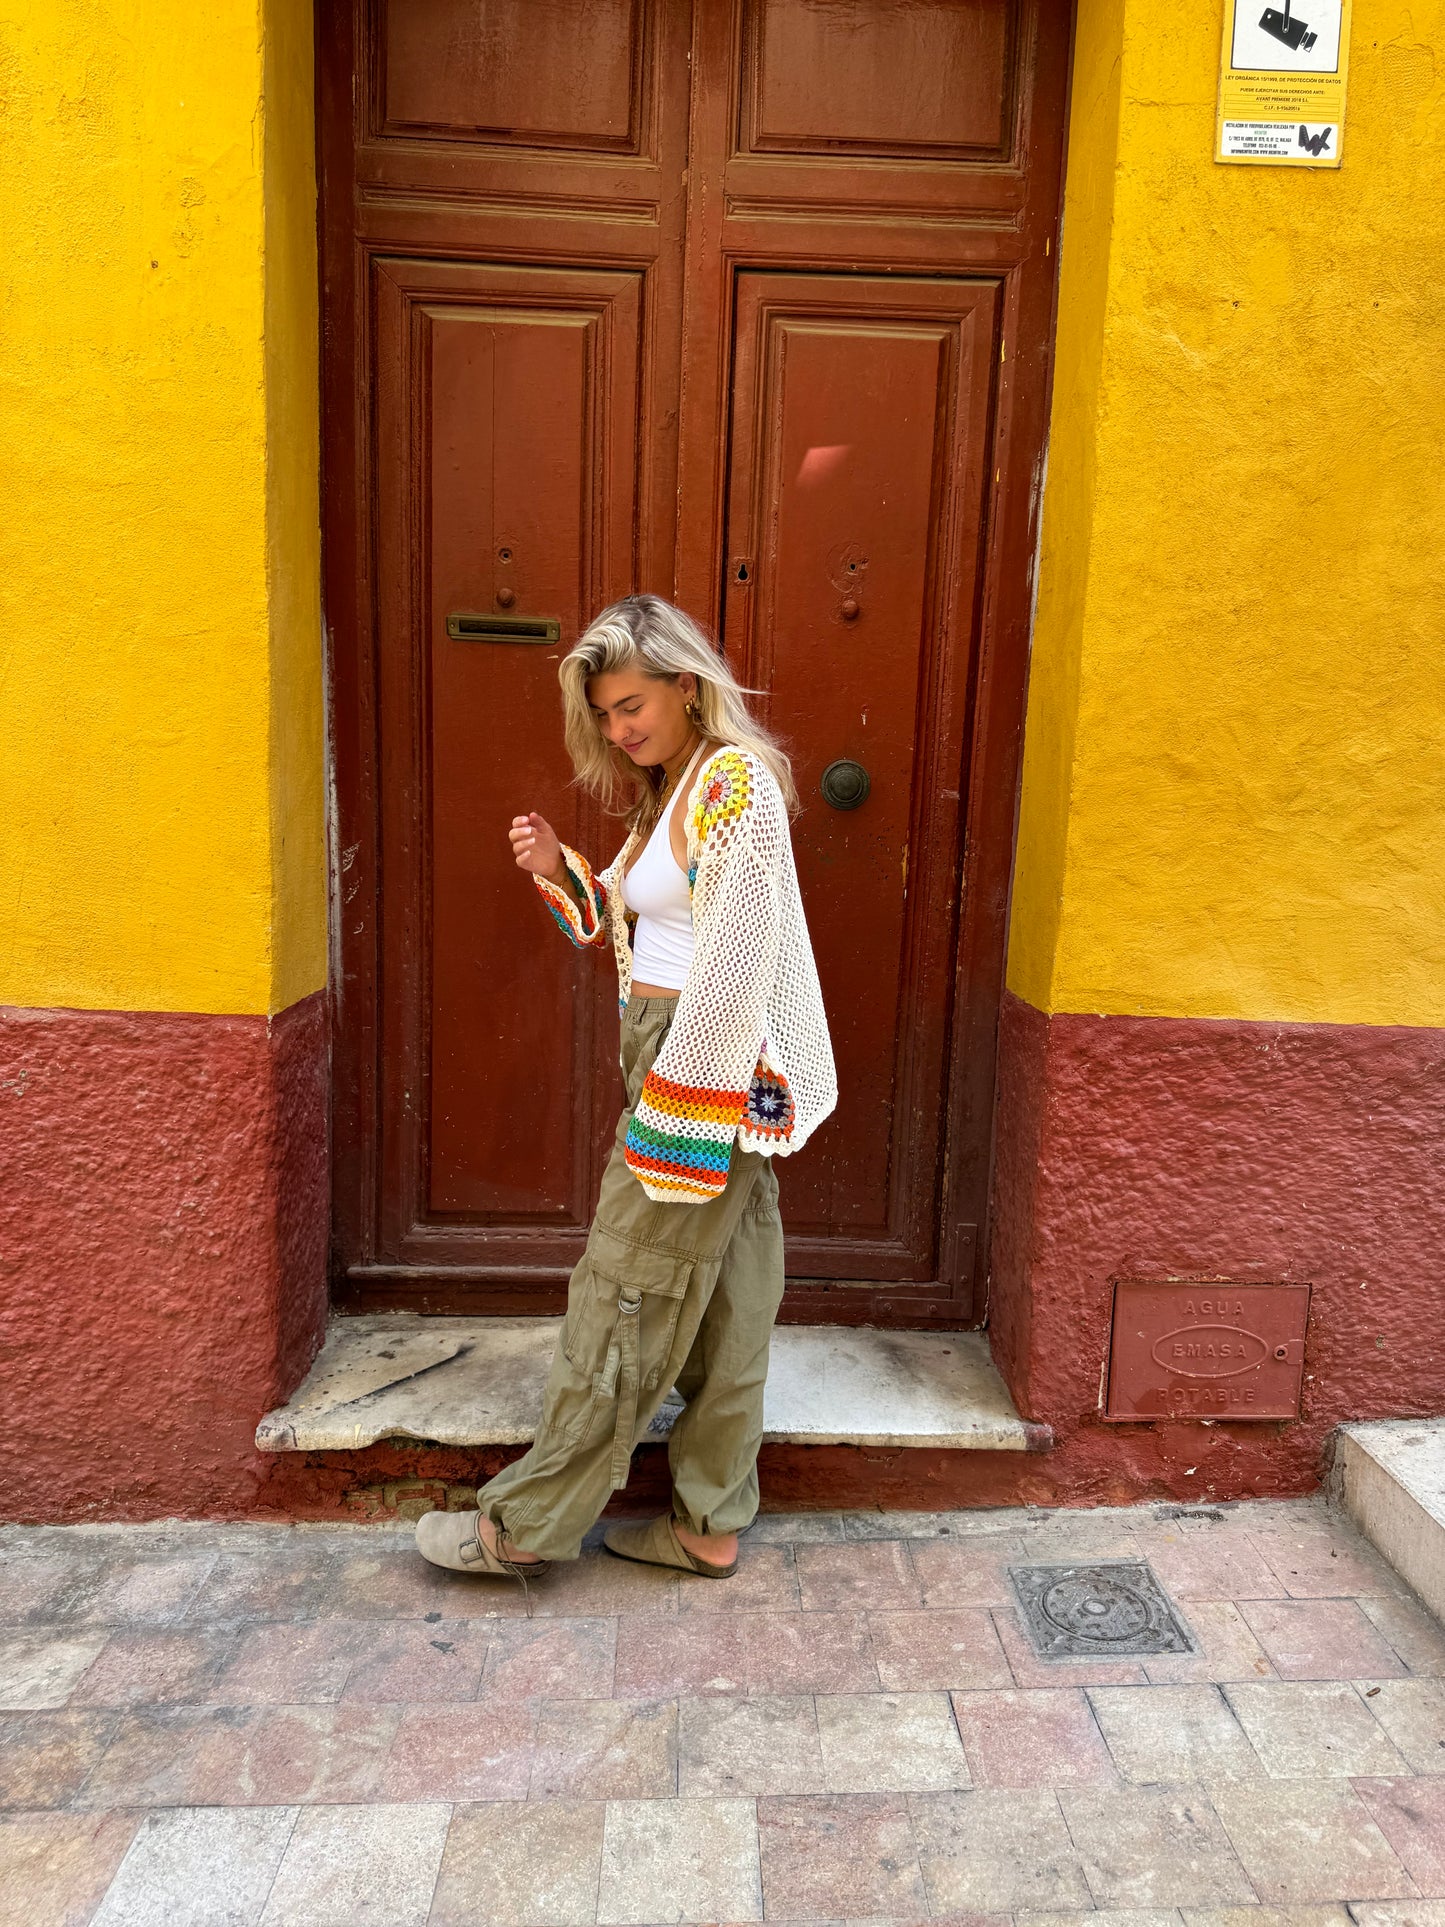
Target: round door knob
[
  {"x": 506, "y": 597},
  {"x": 845, "y": 784},
  {"x": 849, "y": 608}
]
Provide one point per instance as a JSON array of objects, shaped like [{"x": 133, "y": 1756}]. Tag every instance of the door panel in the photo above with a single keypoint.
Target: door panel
[
  {"x": 860, "y": 428},
  {"x": 516, "y": 392},
  {"x": 530, "y": 72},
  {"x": 522, "y": 412},
  {"x": 911, "y": 78},
  {"x": 971, "y": 210},
  {"x": 502, "y": 258},
  {"x": 747, "y": 302}
]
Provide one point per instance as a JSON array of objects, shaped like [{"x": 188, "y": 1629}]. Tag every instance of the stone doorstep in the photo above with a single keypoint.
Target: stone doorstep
[
  {"x": 478, "y": 1381},
  {"x": 1389, "y": 1475}
]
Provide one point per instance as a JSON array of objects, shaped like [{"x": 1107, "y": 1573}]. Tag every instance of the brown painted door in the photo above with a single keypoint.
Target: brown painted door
[
  {"x": 748, "y": 304},
  {"x": 860, "y": 428}
]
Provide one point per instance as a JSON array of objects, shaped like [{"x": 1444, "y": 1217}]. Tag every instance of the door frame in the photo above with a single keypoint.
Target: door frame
[{"x": 993, "y": 234}]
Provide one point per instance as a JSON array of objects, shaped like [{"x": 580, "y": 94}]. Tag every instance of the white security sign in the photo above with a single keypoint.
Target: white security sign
[{"x": 1282, "y": 82}]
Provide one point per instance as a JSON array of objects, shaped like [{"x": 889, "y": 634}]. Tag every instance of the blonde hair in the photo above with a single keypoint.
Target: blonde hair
[{"x": 644, "y": 632}]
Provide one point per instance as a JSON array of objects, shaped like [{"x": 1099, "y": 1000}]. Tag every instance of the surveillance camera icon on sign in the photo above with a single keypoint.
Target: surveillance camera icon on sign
[{"x": 1295, "y": 34}]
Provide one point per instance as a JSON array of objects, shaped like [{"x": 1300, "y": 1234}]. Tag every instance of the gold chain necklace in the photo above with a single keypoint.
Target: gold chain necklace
[{"x": 669, "y": 782}]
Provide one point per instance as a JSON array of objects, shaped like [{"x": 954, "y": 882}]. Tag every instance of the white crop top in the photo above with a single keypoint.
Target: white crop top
[{"x": 656, "y": 887}]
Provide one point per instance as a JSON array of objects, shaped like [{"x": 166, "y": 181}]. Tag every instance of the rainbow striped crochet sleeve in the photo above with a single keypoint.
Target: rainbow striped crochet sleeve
[
  {"x": 581, "y": 919},
  {"x": 680, "y": 1139}
]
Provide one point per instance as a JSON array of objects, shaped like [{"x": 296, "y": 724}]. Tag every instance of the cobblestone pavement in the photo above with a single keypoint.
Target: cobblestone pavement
[{"x": 307, "y": 1725}]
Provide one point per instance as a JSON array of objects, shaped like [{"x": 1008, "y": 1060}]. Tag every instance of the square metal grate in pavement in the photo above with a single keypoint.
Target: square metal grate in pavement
[{"x": 1114, "y": 1611}]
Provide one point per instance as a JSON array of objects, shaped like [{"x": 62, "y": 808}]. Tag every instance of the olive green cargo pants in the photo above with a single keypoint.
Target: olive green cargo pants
[{"x": 665, "y": 1294}]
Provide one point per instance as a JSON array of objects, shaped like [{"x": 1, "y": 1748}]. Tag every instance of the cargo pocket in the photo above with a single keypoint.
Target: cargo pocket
[
  {"x": 621, "y": 1322},
  {"x": 616, "y": 1269}
]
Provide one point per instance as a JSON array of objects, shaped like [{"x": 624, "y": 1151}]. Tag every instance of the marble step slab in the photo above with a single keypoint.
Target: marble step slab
[
  {"x": 1389, "y": 1475},
  {"x": 478, "y": 1381}
]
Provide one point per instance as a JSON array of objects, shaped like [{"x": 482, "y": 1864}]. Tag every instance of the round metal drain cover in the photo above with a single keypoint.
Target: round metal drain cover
[{"x": 1096, "y": 1607}]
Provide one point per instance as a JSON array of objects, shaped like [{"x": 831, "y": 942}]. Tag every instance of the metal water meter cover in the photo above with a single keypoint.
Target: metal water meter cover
[
  {"x": 1117, "y": 1610},
  {"x": 1206, "y": 1350}
]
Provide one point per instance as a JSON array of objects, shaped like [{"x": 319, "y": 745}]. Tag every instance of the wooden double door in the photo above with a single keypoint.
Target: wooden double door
[{"x": 748, "y": 303}]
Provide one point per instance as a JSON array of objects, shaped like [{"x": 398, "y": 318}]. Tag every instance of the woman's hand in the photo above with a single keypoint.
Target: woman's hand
[{"x": 536, "y": 848}]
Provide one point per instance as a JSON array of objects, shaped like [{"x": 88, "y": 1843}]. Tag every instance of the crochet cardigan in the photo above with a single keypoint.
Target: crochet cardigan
[{"x": 747, "y": 1058}]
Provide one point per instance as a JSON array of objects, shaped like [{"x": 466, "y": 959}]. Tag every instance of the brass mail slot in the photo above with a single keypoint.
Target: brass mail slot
[{"x": 468, "y": 628}]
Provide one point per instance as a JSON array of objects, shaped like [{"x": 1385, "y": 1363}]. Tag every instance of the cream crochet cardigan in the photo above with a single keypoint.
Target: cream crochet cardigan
[{"x": 747, "y": 1059}]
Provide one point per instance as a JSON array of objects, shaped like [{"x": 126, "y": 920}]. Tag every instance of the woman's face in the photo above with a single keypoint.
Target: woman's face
[{"x": 645, "y": 716}]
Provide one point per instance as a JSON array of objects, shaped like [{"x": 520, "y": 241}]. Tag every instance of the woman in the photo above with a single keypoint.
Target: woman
[{"x": 727, "y": 1064}]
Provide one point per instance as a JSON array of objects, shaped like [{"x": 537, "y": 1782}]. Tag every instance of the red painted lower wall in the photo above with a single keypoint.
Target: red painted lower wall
[
  {"x": 164, "y": 1221},
  {"x": 164, "y": 1217},
  {"x": 1152, "y": 1147},
  {"x": 397, "y": 1476}
]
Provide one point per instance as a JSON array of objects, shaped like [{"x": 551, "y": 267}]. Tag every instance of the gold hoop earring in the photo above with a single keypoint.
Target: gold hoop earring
[{"x": 692, "y": 712}]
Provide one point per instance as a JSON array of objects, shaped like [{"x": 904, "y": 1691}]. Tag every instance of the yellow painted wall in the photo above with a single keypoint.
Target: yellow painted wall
[
  {"x": 1234, "y": 782},
  {"x": 293, "y": 533},
  {"x": 161, "y": 822}
]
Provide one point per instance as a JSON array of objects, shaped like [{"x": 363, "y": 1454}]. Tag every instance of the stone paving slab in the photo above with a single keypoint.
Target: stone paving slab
[{"x": 274, "y": 1726}]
